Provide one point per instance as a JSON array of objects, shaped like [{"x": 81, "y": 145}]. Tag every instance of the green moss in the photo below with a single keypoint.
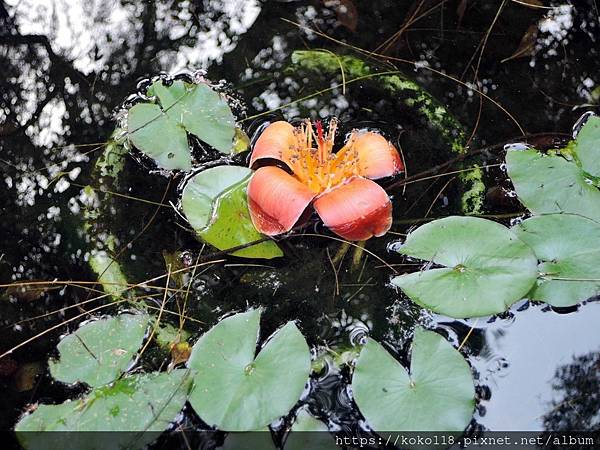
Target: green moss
[{"x": 472, "y": 198}]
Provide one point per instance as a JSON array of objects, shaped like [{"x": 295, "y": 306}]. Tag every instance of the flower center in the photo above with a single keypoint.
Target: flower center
[{"x": 314, "y": 162}]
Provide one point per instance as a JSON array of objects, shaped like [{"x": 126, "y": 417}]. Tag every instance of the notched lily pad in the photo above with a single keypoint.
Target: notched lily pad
[
  {"x": 215, "y": 203},
  {"x": 549, "y": 184},
  {"x": 487, "y": 268},
  {"x": 436, "y": 395},
  {"x": 143, "y": 405},
  {"x": 100, "y": 351},
  {"x": 237, "y": 390},
  {"x": 161, "y": 131},
  {"x": 568, "y": 248}
]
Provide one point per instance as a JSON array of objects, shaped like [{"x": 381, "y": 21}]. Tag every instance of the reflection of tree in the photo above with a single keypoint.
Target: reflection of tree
[{"x": 577, "y": 406}]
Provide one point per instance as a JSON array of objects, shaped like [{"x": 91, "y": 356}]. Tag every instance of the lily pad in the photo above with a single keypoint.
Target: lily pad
[
  {"x": 144, "y": 404},
  {"x": 588, "y": 146},
  {"x": 487, "y": 268},
  {"x": 237, "y": 390},
  {"x": 160, "y": 131},
  {"x": 99, "y": 351},
  {"x": 548, "y": 184},
  {"x": 215, "y": 203},
  {"x": 436, "y": 395},
  {"x": 568, "y": 248}
]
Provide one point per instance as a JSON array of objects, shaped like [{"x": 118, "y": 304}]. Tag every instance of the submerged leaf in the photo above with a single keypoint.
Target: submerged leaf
[
  {"x": 436, "y": 395},
  {"x": 99, "y": 351},
  {"x": 160, "y": 131},
  {"x": 142, "y": 405},
  {"x": 568, "y": 248},
  {"x": 236, "y": 390},
  {"x": 527, "y": 44},
  {"x": 487, "y": 268},
  {"x": 215, "y": 203},
  {"x": 548, "y": 184}
]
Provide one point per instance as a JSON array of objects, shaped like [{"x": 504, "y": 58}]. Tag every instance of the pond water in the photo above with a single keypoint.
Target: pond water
[{"x": 67, "y": 67}]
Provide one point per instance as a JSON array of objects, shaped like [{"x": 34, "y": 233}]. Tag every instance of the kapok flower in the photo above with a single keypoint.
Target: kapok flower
[{"x": 338, "y": 185}]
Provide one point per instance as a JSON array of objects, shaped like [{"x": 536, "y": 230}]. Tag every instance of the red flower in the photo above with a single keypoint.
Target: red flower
[{"x": 338, "y": 185}]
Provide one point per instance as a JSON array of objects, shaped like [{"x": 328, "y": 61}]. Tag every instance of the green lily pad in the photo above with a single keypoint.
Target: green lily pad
[
  {"x": 99, "y": 351},
  {"x": 436, "y": 395},
  {"x": 237, "y": 390},
  {"x": 588, "y": 146},
  {"x": 145, "y": 404},
  {"x": 161, "y": 131},
  {"x": 215, "y": 203},
  {"x": 487, "y": 268},
  {"x": 159, "y": 136},
  {"x": 568, "y": 248},
  {"x": 548, "y": 184}
]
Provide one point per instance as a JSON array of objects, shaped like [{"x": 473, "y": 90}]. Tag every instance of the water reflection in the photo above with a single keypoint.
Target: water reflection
[{"x": 538, "y": 378}]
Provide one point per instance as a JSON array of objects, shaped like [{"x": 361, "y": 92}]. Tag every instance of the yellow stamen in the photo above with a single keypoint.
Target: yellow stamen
[{"x": 314, "y": 162}]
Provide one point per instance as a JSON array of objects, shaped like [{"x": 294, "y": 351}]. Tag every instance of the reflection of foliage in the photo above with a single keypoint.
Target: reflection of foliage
[{"x": 578, "y": 404}]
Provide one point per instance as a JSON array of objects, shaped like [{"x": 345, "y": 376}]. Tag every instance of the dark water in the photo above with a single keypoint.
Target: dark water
[{"x": 67, "y": 66}]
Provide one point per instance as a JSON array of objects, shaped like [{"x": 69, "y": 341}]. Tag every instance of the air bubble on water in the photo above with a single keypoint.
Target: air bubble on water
[
  {"x": 394, "y": 246},
  {"x": 510, "y": 193},
  {"x": 581, "y": 122},
  {"x": 517, "y": 146},
  {"x": 516, "y": 221},
  {"x": 588, "y": 181}
]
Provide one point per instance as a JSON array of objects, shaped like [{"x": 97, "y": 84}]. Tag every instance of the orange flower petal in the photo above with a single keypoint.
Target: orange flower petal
[
  {"x": 377, "y": 158},
  {"x": 276, "y": 200},
  {"x": 356, "y": 210},
  {"x": 275, "y": 142}
]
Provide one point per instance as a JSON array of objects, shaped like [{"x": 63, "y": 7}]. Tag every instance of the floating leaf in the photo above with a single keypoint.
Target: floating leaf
[
  {"x": 487, "y": 267},
  {"x": 588, "y": 146},
  {"x": 159, "y": 136},
  {"x": 99, "y": 351},
  {"x": 436, "y": 395},
  {"x": 238, "y": 391},
  {"x": 160, "y": 131},
  {"x": 144, "y": 404},
  {"x": 215, "y": 203},
  {"x": 568, "y": 248},
  {"x": 548, "y": 184}
]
